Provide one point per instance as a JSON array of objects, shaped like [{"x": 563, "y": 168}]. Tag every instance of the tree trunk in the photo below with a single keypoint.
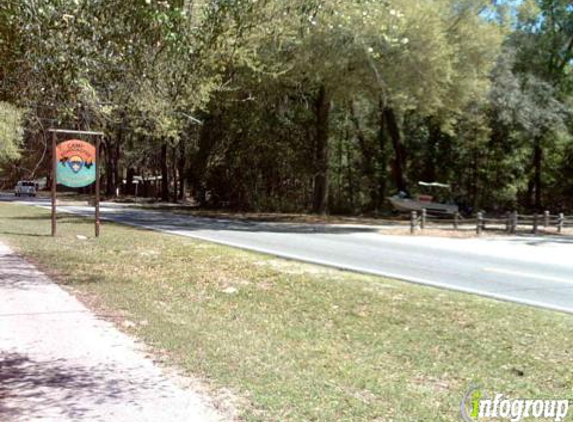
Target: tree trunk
[
  {"x": 117, "y": 151},
  {"x": 368, "y": 156},
  {"x": 320, "y": 182},
  {"x": 350, "y": 176},
  {"x": 382, "y": 158},
  {"x": 181, "y": 165},
  {"x": 208, "y": 136},
  {"x": 475, "y": 186},
  {"x": 174, "y": 161},
  {"x": 109, "y": 171},
  {"x": 129, "y": 188},
  {"x": 112, "y": 150},
  {"x": 393, "y": 131},
  {"x": 435, "y": 133},
  {"x": 164, "y": 174},
  {"x": 537, "y": 164}
]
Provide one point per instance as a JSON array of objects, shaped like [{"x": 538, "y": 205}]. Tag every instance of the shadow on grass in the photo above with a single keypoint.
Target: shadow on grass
[
  {"x": 9, "y": 233},
  {"x": 61, "y": 218},
  {"x": 69, "y": 279},
  {"x": 28, "y": 217}
]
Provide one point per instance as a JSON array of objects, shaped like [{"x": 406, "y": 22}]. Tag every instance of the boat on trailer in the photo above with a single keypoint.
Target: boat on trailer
[{"x": 403, "y": 203}]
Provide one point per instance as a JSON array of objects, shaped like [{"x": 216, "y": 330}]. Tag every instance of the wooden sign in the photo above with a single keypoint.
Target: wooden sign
[{"x": 76, "y": 166}]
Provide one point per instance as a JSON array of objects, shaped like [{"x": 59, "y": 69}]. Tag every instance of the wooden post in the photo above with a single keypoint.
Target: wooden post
[
  {"x": 479, "y": 225},
  {"x": 54, "y": 183},
  {"x": 535, "y": 223},
  {"x": 423, "y": 220},
  {"x": 97, "y": 219},
  {"x": 413, "y": 219},
  {"x": 508, "y": 222},
  {"x": 456, "y": 218},
  {"x": 546, "y": 218},
  {"x": 514, "y": 222},
  {"x": 560, "y": 222}
]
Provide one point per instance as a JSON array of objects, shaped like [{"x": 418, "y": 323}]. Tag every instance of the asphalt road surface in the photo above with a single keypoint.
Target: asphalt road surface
[{"x": 535, "y": 271}]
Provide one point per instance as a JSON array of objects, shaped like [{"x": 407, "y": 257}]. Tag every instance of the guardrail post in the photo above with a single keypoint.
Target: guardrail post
[
  {"x": 546, "y": 217},
  {"x": 456, "y": 220},
  {"x": 560, "y": 223},
  {"x": 413, "y": 219},
  {"x": 479, "y": 225},
  {"x": 535, "y": 223},
  {"x": 423, "y": 220}
]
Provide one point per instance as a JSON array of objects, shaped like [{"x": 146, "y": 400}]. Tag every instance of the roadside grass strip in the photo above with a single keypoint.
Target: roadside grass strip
[{"x": 296, "y": 342}]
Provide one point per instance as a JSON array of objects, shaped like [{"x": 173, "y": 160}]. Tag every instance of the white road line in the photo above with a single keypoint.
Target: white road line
[{"x": 529, "y": 275}]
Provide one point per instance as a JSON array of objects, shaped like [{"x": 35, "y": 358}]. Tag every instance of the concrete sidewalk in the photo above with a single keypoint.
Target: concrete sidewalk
[{"x": 60, "y": 363}]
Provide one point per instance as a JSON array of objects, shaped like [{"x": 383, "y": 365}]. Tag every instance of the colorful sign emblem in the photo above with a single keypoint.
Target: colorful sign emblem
[{"x": 76, "y": 163}]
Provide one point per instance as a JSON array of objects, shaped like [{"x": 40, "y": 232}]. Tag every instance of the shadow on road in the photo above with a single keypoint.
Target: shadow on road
[
  {"x": 540, "y": 240},
  {"x": 170, "y": 221}
]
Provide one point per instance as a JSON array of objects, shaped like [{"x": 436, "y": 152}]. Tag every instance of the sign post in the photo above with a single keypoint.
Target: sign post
[
  {"x": 75, "y": 163},
  {"x": 54, "y": 182},
  {"x": 98, "y": 139}
]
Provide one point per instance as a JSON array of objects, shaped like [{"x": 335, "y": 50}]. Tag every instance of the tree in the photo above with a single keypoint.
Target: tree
[
  {"x": 544, "y": 44},
  {"x": 303, "y": 105},
  {"x": 11, "y": 131}
]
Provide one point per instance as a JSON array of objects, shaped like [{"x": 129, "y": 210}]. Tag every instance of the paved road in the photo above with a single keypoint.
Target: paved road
[
  {"x": 59, "y": 363},
  {"x": 536, "y": 271}
]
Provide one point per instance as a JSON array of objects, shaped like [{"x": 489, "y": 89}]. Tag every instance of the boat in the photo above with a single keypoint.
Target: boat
[{"x": 402, "y": 202}]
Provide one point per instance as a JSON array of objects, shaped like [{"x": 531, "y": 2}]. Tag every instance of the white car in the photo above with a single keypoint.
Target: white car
[{"x": 27, "y": 188}]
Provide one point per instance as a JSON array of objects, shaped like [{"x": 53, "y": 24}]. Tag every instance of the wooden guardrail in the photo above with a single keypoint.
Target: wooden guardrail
[{"x": 511, "y": 223}]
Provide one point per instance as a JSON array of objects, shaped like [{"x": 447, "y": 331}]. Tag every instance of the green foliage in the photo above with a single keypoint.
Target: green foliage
[
  {"x": 459, "y": 91},
  {"x": 11, "y": 131}
]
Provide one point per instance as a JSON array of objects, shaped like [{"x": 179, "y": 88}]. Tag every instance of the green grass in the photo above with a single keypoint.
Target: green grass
[{"x": 299, "y": 342}]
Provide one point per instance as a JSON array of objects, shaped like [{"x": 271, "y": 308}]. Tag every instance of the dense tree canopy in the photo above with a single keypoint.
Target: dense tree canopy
[{"x": 323, "y": 105}]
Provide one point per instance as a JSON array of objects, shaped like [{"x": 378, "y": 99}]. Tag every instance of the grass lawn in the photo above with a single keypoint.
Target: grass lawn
[{"x": 299, "y": 342}]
